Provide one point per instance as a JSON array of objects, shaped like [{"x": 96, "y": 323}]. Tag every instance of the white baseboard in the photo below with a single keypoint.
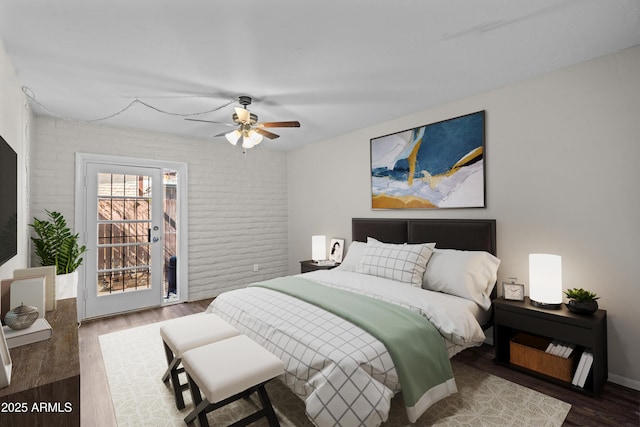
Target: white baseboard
[{"x": 626, "y": 382}]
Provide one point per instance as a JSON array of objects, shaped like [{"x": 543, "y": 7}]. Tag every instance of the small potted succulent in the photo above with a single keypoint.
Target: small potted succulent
[{"x": 581, "y": 301}]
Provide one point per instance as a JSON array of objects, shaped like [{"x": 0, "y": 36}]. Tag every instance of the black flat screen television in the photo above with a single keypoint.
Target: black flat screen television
[{"x": 8, "y": 202}]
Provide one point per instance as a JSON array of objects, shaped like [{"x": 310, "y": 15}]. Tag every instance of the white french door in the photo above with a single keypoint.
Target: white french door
[{"x": 124, "y": 232}]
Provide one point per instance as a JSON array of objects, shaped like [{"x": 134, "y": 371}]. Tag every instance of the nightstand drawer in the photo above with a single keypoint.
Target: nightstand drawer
[
  {"x": 309, "y": 265},
  {"x": 306, "y": 267},
  {"x": 539, "y": 326}
]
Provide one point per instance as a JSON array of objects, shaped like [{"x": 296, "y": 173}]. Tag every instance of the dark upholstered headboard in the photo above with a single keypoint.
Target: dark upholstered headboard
[{"x": 464, "y": 234}]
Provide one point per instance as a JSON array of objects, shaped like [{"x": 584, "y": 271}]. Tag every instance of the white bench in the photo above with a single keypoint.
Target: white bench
[
  {"x": 186, "y": 333},
  {"x": 226, "y": 371}
]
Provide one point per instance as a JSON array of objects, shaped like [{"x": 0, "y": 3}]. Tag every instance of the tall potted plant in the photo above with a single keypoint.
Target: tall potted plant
[{"x": 56, "y": 245}]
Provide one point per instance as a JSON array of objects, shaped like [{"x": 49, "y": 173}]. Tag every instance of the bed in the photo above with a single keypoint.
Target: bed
[{"x": 355, "y": 336}]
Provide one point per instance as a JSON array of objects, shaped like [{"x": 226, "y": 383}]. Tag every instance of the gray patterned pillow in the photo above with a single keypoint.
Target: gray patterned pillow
[{"x": 401, "y": 262}]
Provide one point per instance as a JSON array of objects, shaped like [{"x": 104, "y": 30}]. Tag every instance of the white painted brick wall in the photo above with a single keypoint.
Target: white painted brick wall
[{"x": 237, "y": 204}]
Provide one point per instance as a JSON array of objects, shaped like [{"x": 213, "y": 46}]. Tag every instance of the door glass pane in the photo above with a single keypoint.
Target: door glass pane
[
  {"x": 170, "y": 233},
  {"x": 124, "y": 223}
]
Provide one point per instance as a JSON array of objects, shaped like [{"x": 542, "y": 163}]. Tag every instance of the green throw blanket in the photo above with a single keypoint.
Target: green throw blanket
[{"x": 415, "y": 346}]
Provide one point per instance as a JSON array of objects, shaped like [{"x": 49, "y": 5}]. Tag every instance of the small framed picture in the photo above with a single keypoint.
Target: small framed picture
[
  {"x": 336, "y": 249},
  {"x": 513, "y": 291}
]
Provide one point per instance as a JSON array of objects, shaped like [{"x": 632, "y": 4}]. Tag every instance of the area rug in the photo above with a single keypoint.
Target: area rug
[{"x": 134, "y": 361}]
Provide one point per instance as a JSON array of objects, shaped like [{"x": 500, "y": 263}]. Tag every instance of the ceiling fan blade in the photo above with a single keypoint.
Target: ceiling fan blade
[
  {"x": 244, "y": 115},
  {"x": 292, "y": 124},
  {"x": 221, "y": 134},
  {"x": 211, "y": 121},
  {"x": 266, "y": 133}
]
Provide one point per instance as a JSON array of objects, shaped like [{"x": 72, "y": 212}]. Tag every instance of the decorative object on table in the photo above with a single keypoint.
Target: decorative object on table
[
  {"x": 30, "y": 292},
  {"x": 49, "y": 273},
  {"x": 513, "y": 291},
  {"x": 56, "y": 245},
  {"x": 336, "y": 249},
  {"x": 5, "y": 359},
  {"x": 318, "y": 248},
  {"x": 545, "y": 281},
  {"x": 439, "y": 165},
  {"x": 581, "y": 301},
  {"x": 21, "y": 317}
]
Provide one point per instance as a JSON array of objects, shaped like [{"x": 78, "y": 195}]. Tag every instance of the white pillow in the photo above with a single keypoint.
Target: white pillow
[
  {"x": 401, "y": 262},
  {"x": 353, "y": 257},
  {"x": 467, "y": 274}
]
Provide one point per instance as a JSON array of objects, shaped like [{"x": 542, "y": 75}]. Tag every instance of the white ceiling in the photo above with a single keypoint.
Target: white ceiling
[{"x": 334, "y": 65}]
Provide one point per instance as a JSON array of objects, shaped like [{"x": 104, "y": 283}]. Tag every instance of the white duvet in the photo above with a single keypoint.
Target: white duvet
[
  {"x": 455, "y": 318},
  {"x": 344, "y": 375}
]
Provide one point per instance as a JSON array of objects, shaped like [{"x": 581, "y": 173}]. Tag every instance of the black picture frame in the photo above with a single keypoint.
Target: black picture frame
[{"x": 336, "y": 250}]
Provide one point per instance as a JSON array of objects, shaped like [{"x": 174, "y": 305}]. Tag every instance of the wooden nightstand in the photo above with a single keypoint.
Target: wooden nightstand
[
  {"x": 310, "y": 265},
  {"x": 511, "y": 317}
]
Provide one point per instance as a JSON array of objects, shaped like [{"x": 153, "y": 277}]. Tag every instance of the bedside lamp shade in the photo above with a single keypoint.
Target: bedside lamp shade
[
  {"x": 545, "y": 280},
  {"x": 318, "y": 248}
]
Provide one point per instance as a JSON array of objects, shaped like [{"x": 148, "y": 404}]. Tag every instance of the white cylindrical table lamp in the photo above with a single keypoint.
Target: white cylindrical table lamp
[
  {"x": 545, "y": 280},
  {"x": 318, "y": 248}
]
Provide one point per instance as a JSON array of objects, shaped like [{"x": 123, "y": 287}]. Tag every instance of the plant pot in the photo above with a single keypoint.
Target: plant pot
[
  {"x": 582, "y": 307},
  {"x": 67, "y": 285}
]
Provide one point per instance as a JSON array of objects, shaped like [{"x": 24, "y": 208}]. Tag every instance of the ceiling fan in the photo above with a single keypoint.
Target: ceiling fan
[{"x": 249, "y": 129}]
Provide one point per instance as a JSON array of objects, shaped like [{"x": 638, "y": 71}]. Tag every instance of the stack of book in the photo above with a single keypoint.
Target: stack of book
[
  {"x": 39, "y": 331},
  {"x": 560, "y": 348},
  {"x": 583, "y": 369}
]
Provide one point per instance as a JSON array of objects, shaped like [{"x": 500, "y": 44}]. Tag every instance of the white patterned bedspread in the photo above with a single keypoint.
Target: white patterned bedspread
[{"x": 345, "y": 376}]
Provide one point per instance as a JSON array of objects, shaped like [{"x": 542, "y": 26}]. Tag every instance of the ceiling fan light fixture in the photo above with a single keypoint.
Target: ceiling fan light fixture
[
  {"x": 255, "y": 137},
  {"x": 248, "y": 128},
  {"x": 247, "y": 143},
  {"x": 233, "y": 136},
  {"x": 251, "y": 139}
]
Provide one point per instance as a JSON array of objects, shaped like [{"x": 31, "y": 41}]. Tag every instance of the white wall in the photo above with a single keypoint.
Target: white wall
[
  {"x": 15, "y": 125},
  {"x": 562, "y": 154},
  {"x": 237, "y": 204}
]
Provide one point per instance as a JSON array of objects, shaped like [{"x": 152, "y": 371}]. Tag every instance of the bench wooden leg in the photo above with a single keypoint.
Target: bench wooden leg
[
  {"x": 172, "y": 362},
  {"x": 266, "y": 404},
  {"x": 199, "y": 406},
  {"x": 172, "y": 373},
  {"x": 202, "y": 407}
]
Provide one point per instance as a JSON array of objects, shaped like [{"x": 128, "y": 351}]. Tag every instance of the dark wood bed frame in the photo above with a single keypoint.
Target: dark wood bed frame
[{"x": 464, "y": 234}]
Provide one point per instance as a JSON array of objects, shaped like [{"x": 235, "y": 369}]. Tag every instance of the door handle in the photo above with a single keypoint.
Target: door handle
[{"x": 155, "y": 239}]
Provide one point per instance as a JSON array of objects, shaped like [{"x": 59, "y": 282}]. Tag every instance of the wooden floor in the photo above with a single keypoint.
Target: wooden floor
[
  {"x": 618, "y": 406},
  {"x": 96, "y": 409}
]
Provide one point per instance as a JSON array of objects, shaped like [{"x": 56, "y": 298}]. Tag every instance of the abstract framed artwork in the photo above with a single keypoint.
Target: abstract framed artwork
[{"x": 439, "y": 165}]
